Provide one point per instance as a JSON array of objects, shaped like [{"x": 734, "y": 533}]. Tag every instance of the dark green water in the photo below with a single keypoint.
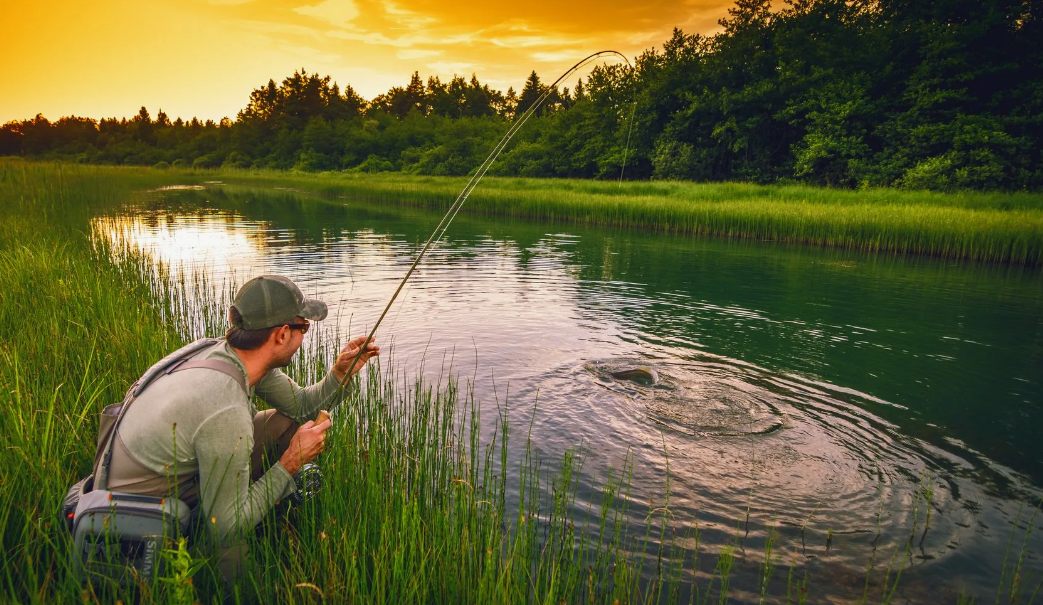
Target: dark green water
[{"x": 797, "y": 387}]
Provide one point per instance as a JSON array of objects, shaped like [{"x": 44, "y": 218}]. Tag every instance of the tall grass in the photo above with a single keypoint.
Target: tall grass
[
  {"x": 993, "y": 226},
  {"x": 1003, "y": 227}
]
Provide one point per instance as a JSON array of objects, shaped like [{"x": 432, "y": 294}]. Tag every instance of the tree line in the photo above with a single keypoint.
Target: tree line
[{"x": 925, "y": 94}]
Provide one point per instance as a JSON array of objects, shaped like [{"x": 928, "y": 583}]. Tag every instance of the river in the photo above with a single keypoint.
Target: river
[{"x": 829, "y": 397}]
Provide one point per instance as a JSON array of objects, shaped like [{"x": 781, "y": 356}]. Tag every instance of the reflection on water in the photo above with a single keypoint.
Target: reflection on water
[
  {"x": 813, "y": 394},
  {"x": 178, "y": 240}
]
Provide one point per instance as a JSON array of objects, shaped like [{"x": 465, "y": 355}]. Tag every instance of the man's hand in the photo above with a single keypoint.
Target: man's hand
[
  {"x": 347, "y": 355},
  {"x": 305, "y": 445}
]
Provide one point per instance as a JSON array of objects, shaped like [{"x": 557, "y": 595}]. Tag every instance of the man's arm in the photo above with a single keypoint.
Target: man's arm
[
  {"x": 300, "y": 403},
  {"x": 231, "y": 502},
  {"x": 303, "y": 403}
]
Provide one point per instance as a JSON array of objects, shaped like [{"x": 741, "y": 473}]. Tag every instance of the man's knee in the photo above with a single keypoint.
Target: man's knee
[{"x": 273, "y": 431}]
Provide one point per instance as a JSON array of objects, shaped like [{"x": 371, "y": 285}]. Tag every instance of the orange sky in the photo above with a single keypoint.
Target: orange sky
[{"x": 203, "y": 57}]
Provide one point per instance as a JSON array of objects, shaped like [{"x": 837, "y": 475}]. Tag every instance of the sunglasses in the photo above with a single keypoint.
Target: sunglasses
[{"x": 303, "y": 327}]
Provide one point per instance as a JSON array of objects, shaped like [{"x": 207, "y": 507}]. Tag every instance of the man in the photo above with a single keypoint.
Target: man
[{"x": 195, "y": 433}]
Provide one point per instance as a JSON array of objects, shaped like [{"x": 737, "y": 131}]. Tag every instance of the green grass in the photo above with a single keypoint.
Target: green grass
[
  {"x": 995, "y": 227},
  {"x": 416, "y": 506},
  {"x": 1003, "y": 227}
]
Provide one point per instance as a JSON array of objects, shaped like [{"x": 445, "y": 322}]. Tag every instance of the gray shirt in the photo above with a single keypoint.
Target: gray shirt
[{"x": 199, "y": 422}]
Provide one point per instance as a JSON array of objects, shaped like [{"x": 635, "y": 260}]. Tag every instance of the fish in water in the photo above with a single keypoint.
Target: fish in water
[{"x": 639, "y": 374}]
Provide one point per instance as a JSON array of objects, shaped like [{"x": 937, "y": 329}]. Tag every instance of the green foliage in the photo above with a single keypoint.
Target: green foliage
[
  {"x": 375, "y": 163},
  {"x": 980, "y": 226},
  {"x": 236, "y": 159},
  {"x": 210, "y": 160},
  {"x": 933, "y": 95},
  {"x": 673, "y": 160},
  {"x": 180, "y": 566}
]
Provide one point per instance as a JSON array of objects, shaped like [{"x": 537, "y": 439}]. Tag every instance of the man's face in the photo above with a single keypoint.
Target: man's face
[{"x": 295, "y": 337}]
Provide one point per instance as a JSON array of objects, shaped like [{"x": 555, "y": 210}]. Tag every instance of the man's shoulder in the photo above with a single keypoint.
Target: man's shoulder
[
  {"x": 221, "y": 351},
  {"x": 211, "y": 384}
]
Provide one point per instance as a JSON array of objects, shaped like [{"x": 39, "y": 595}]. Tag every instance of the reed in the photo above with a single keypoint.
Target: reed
[
  {"x": 994, "y": 227},
  {"x": 972, "y": 226},
  {"x": 978, "y": 226}
]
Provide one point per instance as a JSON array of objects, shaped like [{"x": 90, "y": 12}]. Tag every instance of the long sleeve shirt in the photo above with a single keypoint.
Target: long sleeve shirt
[{"x": 199, "y": 424}]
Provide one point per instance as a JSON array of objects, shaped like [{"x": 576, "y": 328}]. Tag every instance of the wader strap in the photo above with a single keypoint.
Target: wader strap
[
  {"x": 178, "y": 360},
  {"x": 214, "y": 364}
]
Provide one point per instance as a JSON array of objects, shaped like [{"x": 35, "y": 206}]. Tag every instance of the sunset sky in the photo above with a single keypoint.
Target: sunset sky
[{"x": 203, "y": 57}]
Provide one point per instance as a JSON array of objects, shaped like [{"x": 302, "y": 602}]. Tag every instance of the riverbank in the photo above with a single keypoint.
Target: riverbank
[
  {"x": 971, "y": 226},
  {"x": 991, "y": 227},
  {"x": 995, "y": 227}
]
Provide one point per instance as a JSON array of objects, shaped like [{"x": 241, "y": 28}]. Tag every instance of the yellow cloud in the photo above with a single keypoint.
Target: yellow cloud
[
  {"x": 531, "y": 41},
  {"x": 408, "y": 18},
  {"x": 559, "y": 57},
  {"x": 443, "y": 68},
  {"x": 202, "y": 57},
  {"x": 405, "y": 41},
  {"x": 407, "y": 54},
  {"x": 336, "y": 12}
]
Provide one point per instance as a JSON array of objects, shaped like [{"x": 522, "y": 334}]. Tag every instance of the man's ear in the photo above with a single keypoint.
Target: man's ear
[{"x": 279, "y": 335}]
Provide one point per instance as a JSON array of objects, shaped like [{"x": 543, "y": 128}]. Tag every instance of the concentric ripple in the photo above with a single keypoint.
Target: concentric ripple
[{"x": 689, "y": 399}]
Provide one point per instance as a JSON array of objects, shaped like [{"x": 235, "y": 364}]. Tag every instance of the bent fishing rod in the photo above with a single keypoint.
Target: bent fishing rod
[{"x": 443, "y": 225}]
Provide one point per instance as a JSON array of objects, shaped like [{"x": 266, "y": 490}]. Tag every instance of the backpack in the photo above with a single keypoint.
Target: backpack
[{"x": 120, "y": 535}]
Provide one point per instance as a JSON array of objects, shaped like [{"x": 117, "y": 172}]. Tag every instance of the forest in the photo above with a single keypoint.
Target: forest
[{"x": 918, "y": 94}]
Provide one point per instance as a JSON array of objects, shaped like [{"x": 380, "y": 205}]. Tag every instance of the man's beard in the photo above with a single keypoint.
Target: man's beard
[{"x": 282, "y": 362}]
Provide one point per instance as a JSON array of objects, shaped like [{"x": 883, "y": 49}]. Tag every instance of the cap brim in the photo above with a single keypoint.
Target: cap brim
[{"x": 314, "y": 310}]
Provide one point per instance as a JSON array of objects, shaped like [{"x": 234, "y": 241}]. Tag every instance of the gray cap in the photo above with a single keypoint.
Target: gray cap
[{"x": 273, "y": 300}]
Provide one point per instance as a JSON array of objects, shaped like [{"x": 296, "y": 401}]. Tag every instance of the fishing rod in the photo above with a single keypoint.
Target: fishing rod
[{"x": 443, "y": 225}]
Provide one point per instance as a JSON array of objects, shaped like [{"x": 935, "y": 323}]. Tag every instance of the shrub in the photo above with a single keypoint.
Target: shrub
[
  {"x": 375, "y": 163},
  {"x": 210, "y": 160},
  {"x": 237, "y": 159},
  {"x": 672, "y": 161}
]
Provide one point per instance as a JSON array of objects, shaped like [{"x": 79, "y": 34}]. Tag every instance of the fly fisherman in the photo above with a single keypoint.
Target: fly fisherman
[{"x": 196, "y": 433}]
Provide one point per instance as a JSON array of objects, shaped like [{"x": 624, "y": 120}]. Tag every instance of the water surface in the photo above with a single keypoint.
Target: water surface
[{"x": 819, "y": 394}]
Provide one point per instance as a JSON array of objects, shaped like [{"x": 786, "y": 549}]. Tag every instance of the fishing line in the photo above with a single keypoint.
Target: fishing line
[
  {"x": 626, "y": 149},
  {"x": 443, "y": 225}
]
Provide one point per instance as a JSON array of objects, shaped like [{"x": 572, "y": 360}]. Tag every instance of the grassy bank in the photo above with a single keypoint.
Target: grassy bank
[
  {"x": 974, "y": 226},
  {"x": 996, "y": 227},
  {"x": 415, "y": 508}
]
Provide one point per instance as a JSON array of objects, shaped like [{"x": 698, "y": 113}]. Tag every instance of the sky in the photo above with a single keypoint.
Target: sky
[{"x": 202, "y": 58}]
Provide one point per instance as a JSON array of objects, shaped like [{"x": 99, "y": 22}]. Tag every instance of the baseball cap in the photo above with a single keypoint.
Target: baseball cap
[{"x": 273, "y": 300}]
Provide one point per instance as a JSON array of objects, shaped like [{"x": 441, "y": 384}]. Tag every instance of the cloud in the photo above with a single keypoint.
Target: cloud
[
  {"x": 407, "y": 18},
  {"x": 530, "y": 41},
  {"x": 448, "y": 67},
  {"x": 336, "y": 12},
  {"x": 558, "y": 57},
  {"x": 407, "y": 54},
  {"x": 406, "y": 41},
  {"x": 306, "y": 53},
  {"x": 272, "y": 27}
]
